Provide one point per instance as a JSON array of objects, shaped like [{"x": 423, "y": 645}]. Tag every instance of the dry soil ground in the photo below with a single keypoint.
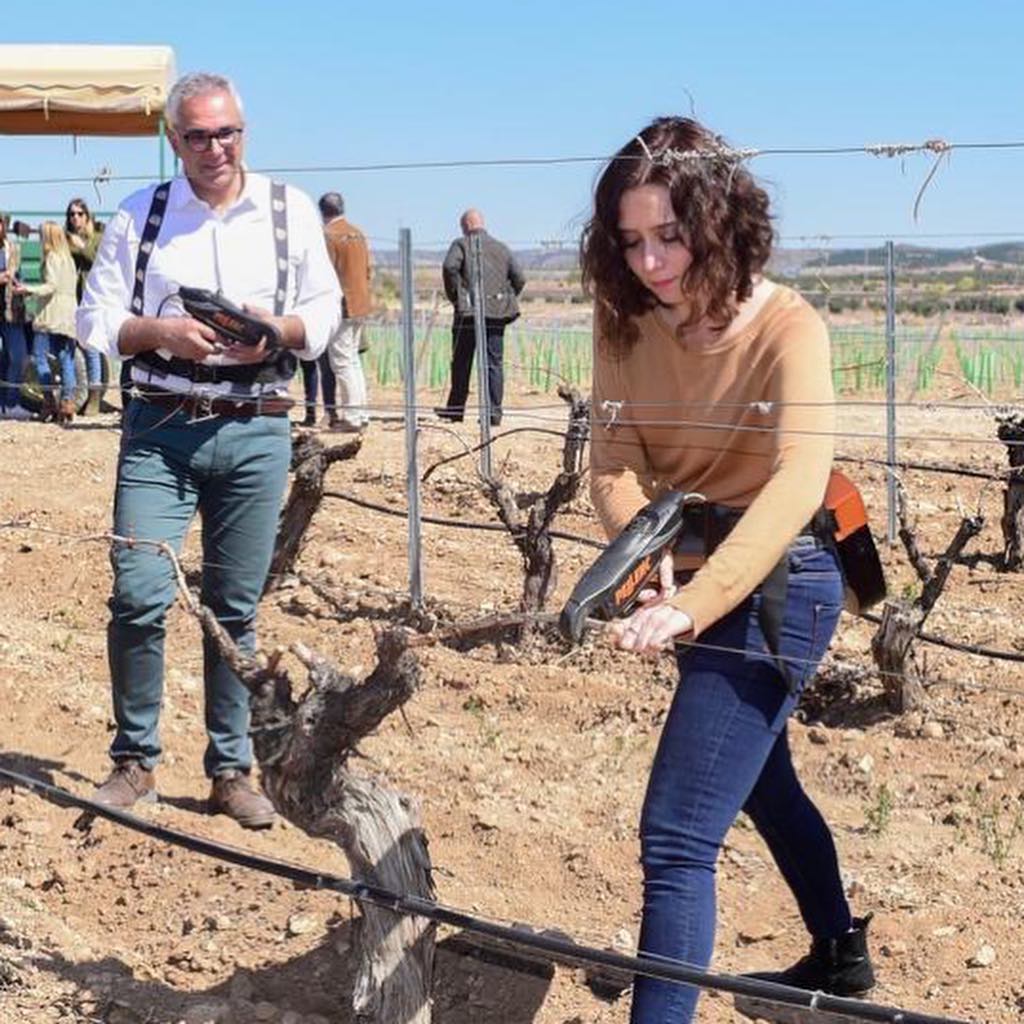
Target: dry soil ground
[{"x": 530, "y": 769}]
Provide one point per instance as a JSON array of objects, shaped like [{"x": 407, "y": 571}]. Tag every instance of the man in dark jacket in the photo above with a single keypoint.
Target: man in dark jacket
[{"x": 502, "y": 282}]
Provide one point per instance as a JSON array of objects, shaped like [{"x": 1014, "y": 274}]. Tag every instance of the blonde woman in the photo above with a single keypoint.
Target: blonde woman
[{"x": 54, "y": 324}]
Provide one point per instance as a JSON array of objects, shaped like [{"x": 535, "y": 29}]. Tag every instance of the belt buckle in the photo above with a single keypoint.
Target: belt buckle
[{"x": 202, "y": 408}]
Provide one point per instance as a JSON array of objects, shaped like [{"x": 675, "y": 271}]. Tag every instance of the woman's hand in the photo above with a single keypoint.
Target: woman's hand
[{"x": 656, "y": 623}]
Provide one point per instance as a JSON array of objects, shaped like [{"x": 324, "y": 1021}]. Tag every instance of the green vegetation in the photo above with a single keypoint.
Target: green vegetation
[
  {"x": 990, "y": 359},
  {"x": 539, "y": 358},
  {"x": 879, "y": 814}
]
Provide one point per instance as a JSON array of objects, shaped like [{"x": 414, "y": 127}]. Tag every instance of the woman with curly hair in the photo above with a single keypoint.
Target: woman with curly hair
[{"x": 710, "y": 378}]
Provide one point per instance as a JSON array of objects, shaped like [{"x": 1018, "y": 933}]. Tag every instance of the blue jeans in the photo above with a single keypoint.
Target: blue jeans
[
  {"x": 234, "y": 471},
  {"x": 313, "y": 371},
  {"x": 724, "y": 749},
  {"x": 12, "y": 363},
  {"x": 60, "y": 345},
  {"x": 93, "y": 365}
]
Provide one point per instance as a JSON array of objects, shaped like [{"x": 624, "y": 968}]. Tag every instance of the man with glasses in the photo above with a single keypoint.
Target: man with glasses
[{"x": 208, "y": 427}]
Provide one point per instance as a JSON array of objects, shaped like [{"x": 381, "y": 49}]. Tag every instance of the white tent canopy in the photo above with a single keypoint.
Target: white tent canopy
[{"x": 58, "y": 89}]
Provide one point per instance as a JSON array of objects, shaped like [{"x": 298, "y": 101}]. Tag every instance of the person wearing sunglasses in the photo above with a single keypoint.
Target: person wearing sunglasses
[
  {"x": 207, "y": 428},
  {"x": 83, "y": 236}
]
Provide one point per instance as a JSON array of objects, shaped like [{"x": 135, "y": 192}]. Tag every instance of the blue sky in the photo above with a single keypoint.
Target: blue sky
[{"x": 331, "y": 84}]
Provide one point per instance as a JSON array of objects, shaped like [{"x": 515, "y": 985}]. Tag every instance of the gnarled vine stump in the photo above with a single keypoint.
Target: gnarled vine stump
[
  {"x": 303, "y": 748},
  {"x": 310, "y": 461},
  {"x": 892, "y": 644},
  {"x": 1011, "y": 432},
  {"x": 531, "y": 531}
]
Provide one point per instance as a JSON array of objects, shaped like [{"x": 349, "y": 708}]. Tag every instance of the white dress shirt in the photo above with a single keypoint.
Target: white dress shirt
[{"x": 231, "y": 251}]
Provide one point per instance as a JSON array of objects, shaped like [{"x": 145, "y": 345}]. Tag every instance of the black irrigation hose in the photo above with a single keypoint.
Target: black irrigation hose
[
  {"x": 954, "y": 645},
  {"x": 556, "y": 946},
  {"x": 934, "y": 467}
]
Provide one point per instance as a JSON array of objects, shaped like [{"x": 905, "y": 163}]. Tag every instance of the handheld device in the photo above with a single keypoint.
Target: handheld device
[
  {"x": 610, "y": 587},
  {"x": 212, "y": 309}
]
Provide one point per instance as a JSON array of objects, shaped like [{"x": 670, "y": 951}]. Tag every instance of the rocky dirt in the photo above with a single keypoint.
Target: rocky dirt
[{"x": 529, "y": 766}]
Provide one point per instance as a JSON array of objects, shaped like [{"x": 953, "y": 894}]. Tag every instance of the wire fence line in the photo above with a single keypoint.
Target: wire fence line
[
  {"x": 935, "y": 147},
  {"x": 962, "y": 647},
  {"x": 552, "y": 422}
]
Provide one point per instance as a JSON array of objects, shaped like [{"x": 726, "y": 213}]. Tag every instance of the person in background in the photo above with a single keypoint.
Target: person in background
[
  {"x": 313, "y": 375},
  {"x": 710, "y": 378},
  {"x": 350, "y": 255},
  {"x": 54, "y": 323},
  {"x": 207, "y": 429},
  {"x": 14, "y": 345},
  {"x": 503, "y": 280},
  {"x": 83, "y": 235}
]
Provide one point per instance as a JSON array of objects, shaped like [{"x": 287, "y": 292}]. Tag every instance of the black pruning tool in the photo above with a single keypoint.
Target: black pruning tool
[
  {"x": 233, "y": 322},
  {"x": 610, "y": 588}
]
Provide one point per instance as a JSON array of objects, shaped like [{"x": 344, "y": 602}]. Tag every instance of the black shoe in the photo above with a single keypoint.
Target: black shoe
[
  {"x": 442, "y": 412},
  {"x": 309, "y": 420},
  {"x": 839, "y": 967}
]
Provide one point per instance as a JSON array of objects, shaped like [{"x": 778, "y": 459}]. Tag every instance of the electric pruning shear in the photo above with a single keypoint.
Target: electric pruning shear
[
  {"x": 611, "y": 587},
  {"x": 214, "y": 310}
]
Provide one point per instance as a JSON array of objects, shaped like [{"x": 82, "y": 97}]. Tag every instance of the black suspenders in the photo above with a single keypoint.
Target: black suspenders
[
  {"x": 150, "y": 230},
  {"x": 281, "y": 365}
]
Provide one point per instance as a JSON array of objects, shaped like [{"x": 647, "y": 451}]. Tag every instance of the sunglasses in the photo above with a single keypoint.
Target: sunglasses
[{"x": 199, "y": 141}]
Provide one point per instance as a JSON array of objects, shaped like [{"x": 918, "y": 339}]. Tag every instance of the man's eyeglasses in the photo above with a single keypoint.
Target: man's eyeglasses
[{"x": 199, "y": 141}]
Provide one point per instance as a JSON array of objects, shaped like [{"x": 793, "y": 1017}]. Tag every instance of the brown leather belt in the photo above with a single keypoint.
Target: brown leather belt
[{"x": 199, "y": 407}]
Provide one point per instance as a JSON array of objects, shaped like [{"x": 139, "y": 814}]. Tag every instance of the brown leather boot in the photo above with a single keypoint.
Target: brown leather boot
[
  {"x": 129, "y": 783},
  {"x": 66, "y": 411},
  {"x": 93, "y": 406},
  {"x": 232, "y": 794}
]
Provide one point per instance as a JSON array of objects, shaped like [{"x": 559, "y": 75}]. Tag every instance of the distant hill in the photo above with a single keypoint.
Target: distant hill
[
  {"x": 918, "y": 257},
  {"x": 546, "y": 259},
  {"x": 785, "y": 262}
]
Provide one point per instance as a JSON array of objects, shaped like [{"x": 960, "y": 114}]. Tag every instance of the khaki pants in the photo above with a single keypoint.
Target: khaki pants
[{"x": 343, "y": 351}]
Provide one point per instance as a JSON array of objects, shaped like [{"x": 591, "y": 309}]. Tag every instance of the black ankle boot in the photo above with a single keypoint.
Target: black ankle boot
[{"x": 840, "y": 967}]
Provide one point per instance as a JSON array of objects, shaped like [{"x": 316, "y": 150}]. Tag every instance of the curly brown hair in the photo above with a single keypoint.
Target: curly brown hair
[{"x": 723, "y": 215}]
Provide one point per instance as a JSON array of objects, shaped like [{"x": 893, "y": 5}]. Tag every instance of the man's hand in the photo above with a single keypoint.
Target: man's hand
[
  {"x": 180, "y": 335},
  {"x": 185, "y": 337},
  {"x": 655, "y": 624},
  {"x": 292, "y": 328}
]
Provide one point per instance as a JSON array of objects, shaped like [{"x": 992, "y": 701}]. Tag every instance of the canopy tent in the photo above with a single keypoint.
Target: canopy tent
[{"x": 58, "y": 89}]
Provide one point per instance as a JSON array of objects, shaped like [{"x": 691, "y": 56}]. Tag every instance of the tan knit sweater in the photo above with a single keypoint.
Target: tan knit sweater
[{"x": 746, "y": 420}]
